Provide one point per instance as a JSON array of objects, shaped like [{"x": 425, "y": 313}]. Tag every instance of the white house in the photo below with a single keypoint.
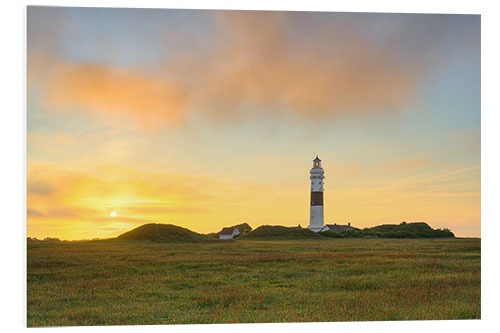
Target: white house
[{"x": 229, "y": 233}]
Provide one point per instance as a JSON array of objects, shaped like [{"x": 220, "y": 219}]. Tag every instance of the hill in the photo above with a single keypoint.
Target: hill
[
  {"x": 244, "y": 228},
  {"x": 280, "y": 232},
  {"x": 402, "y": 230},
  {"x": 167, "y": 233}
]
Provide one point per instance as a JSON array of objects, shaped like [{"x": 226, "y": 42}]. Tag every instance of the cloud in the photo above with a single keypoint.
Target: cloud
[
  {"x": 344, "y": 170},
  {"x": 255, "y": 64},
  {"x": 452, "y": 180},
  {"x": 34, "y": 213},
  {"x": 62, "y": 193},
  {"x": 115, "y": 92},
  {"x": 48, "y": 28},
  {"x": 260, "y": 59},
  {"x": 63, "y": 211},
  {"x": 404, "y": 165},
  {"x": 40, "y": 188},
  {"x": 165, "y": 209}
]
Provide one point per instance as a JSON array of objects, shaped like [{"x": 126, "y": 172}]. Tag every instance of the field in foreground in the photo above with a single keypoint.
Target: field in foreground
[{"x": 124, "y": 282}]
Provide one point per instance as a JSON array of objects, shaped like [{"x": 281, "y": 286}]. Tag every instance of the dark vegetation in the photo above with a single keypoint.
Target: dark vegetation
[
  {"x": 47, "y": 239},
  {"x": 280, "y": 232},
  {"x": 171, "y": 233},
  {"x": 165, "y": 233},
  {"x": 244, "y": 228},
  {"x": 403, "y": 230}
]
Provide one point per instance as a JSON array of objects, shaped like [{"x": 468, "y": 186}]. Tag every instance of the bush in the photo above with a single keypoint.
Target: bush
[
  {"x": 403, "y": 230},
  {"x": 280, "y": 232}
]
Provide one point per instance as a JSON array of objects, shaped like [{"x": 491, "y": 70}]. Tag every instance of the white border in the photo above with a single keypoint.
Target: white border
[{"x": 13, "y": 172}]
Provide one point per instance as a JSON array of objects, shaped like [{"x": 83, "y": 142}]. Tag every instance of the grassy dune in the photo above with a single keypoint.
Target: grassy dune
[
  {"x": 124, "y": 282},
  {"x": 165, "y": 233}
]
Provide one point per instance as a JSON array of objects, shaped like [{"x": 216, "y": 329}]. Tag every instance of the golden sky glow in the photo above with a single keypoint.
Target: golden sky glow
[{"x": 206, "y": 119}]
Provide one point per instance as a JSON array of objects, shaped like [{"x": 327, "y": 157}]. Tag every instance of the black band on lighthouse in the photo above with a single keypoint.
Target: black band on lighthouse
[{"x": 316, "y": 198}]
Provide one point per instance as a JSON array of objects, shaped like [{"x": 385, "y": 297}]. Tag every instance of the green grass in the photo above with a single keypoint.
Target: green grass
[{"x": 123, "y": 282}]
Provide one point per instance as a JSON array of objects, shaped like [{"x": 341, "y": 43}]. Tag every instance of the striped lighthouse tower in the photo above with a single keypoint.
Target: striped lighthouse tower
[{"x": 316, "y": 221}]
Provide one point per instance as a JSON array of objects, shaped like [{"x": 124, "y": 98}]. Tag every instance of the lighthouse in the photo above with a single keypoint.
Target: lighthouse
[{"x": 316, "y": 221}]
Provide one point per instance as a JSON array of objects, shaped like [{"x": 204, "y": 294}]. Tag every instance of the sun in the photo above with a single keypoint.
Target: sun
[{"x": 113, "y": 214}]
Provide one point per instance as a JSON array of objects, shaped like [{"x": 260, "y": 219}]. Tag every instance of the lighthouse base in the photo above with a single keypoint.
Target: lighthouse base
[
  {"x": 316, "y": 222},
  {"x": 315, "y": 229}
]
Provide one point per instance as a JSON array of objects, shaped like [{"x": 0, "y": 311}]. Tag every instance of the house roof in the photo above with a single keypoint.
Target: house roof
[
  {"x": 339, "y": 227},
  {"x": 227, "y": 231}
]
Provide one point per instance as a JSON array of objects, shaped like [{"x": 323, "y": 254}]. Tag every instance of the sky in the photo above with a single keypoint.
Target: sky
[{"x": 206, "y": 119}]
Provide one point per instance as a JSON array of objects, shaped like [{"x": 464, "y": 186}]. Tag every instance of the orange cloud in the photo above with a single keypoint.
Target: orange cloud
[
  {"x": 256, "y": 60},
  {"x": 110, "y": 91},
  {"x": 108, "y": 185},
  {"x": 255, "y": 66}
]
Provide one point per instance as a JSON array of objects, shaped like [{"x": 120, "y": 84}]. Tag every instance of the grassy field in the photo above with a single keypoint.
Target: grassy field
[{"x": 120, "y": 282}]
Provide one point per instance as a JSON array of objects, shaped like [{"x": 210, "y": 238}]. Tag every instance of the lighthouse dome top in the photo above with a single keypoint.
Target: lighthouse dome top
[{"x": 317, "y": 162}]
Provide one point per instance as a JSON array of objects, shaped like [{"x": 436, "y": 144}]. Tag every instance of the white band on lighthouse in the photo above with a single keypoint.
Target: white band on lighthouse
[{"x": 316, "y": 221}]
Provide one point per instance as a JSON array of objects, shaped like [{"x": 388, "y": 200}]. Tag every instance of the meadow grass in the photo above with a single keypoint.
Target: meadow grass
[{"x": 123, "y": 282}]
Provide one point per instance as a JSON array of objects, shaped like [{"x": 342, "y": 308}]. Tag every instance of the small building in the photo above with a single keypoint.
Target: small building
[
  {"x": 338, "y": 227},
  {"x": 229, "y": 233}
]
